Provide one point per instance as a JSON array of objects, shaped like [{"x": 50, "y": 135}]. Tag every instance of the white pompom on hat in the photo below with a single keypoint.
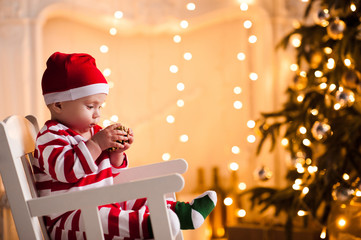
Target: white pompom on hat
[{"x": 70, "y": 77}]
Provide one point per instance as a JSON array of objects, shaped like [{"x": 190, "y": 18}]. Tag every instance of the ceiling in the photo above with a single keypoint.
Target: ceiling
[{"x": 146, "y": 16}]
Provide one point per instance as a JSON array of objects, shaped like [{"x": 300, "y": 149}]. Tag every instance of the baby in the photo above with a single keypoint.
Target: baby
[{"x": 72, "y": 153}]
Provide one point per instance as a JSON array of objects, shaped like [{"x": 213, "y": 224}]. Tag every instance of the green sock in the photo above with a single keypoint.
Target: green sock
[{"x": 192, "y": 215}]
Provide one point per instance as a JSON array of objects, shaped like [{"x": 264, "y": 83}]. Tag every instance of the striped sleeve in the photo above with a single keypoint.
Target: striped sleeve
[
  {"x": 63, "y": 157},
  {"x": 119, "y": 169}
]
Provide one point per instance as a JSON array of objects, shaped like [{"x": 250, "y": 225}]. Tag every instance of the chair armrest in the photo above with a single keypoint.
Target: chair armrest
[
  {"x": 151, "y": 170},
  {"x": 104, "y": 195},
  {"x": 154, "y": 189}
]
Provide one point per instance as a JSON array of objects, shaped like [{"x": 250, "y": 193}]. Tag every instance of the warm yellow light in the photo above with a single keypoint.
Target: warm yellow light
[
  {"x": 309, "y": 161},
  {"x": 114, "y": 118},
  {"x": 300, "y": 98},
  {"x": 166, "y": 156},
  {"x": 330, "y": 63},
  {"x": 247, "y": 24},
  {"x": 345, "y": 176},
  {"x": 253, "y": 76},
  {"x": 251, "y": 138},
  {"x": 298, "y": 181},
  {"x": 241, "y": 213},
  {"x": 187, "y": 56},
  {"x": 303, "y": 74},
  {"x": 284, "y": 142},
  {"x": 311, "y": 169},
  {"x": 244, "y": 6},
  {"x": 327, "y": 50},
  {"x": 251, "y": 124},
  {"x": 306, "y": 142},
  {"x": 296, "y": 40},
  {"x": 106, "y": 123},
  {"x": 228, "y": 201},
  {"x": 180, "y": 87},
  {"x": 170, "y": 119},
  {"x": 241, "y": 56},
  {"x": 347, "y": 62},
  {"x": 318, "y": 73},
  {"x": 183, "y": 138},
  {"x": 337, "y": 106},
  {"x": 299, "y": 163},
  {"x": 118, "y": 14},
  {"x": 113, "y": 31},
  {"x": 294, "y": 67},
  {"x": 220, "y": 231},
  {"x": 252, "y": 39},
  {"x": 180, "y": 103},
  {"x": 341, "y": 222},
  {"x": 107, "y": 72},
  {"x": 184, "y": 24},
  {"x": 303, "y": 130},
  {"x": 296, "y": 187},
  {"x": 300, "y": 169},
  {"x": 314, "y": 112},
  {"x": 242, "y": 186},
  {"x": 104, "y": 48},
  {"x": 358, "y": 193},
  {"x": 237, "y": 104},
  {"x": 305, "y": 190},
  {"x": 177, "y": 39},
  {"x": 234, "y": 166},
  {"x": 323, "y": 233},
  {"x": 191, "y": 6},
  {"x": 173, "y": 68},
  {"x": 332, "y": 87},
  {"x": 237, "y": 90},
  {"x": 236, "y": 150},
  {"x": 323, "y": 85},
  {"x": 301, "y": 213},
  {"x": 353, "y": 7}
]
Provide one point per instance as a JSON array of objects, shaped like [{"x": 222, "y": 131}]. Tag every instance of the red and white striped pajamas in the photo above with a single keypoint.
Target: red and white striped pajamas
[{"x": 63, "y": 163}]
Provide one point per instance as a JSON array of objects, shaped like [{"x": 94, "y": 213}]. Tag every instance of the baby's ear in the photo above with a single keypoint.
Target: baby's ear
[{"x": 56, "y": 107}]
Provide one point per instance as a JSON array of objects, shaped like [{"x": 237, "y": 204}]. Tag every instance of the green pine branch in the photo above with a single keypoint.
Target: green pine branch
[{"x": 338, "y": 152}]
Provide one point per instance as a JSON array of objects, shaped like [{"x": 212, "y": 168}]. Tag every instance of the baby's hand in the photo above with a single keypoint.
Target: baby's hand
[
  {"x": 125, "y": 144},
  {"x": 117, "y": 155},
  {"x": 110, "y": 137}
]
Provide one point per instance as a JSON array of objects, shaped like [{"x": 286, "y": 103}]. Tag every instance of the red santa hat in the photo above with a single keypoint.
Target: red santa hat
[{"x": 70, "y": 77}]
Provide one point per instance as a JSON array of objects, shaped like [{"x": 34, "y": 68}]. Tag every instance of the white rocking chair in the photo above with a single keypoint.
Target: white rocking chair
[{"x": 17, "y": 143}]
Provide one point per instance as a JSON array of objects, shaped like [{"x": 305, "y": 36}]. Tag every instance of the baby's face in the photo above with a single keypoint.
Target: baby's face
[{"x": 83, "y": 113}]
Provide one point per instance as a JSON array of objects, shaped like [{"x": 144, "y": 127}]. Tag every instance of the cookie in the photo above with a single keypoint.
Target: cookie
[{"x": 125, "y": 129}]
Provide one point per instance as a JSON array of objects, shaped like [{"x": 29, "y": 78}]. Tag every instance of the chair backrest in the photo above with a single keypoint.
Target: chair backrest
[{"x": 17, "y": 143}]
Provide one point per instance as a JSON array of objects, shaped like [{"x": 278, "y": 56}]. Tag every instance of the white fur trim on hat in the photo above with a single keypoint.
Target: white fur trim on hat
[{"x": 76, "y": 93}]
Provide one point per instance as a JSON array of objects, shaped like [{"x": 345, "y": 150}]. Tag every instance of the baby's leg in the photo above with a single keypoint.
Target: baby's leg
[
  {"x": 192, "y": 215},
  {"x": 139, "y": 203},
  {"x": 126, "y": 220},
  {"x": 118, "y": 223},
  {"x": 131, "y": 220}
]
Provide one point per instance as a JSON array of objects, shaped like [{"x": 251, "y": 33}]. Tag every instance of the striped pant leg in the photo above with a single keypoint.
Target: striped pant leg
[{"x": 128, "y": 220}]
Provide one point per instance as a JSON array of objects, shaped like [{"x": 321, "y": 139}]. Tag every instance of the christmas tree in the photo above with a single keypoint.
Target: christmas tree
[{"x": 320, "y": 123}]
